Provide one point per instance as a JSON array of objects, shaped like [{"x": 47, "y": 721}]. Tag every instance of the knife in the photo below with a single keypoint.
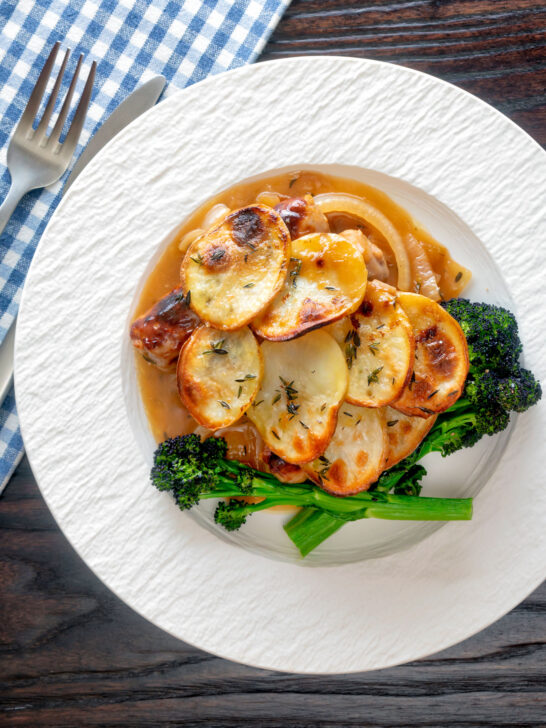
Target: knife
[{"x": 139, "y": 101}]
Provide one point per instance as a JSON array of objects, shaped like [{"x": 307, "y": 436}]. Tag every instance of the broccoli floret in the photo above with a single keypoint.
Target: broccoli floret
[
  {"x": 496, "y": 384},
  {"x": 187, "y": 467},
  {"x": 519, "y": 391},
  {"x": 491, "y": 333},
  {"x": 231, "y": 514}
]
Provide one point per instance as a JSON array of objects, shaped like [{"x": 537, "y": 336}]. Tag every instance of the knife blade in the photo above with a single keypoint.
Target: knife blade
[{"x": 139, "y": 101}]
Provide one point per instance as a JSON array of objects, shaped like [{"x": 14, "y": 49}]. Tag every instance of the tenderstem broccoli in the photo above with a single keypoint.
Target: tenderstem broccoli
[
  {"x": 496, "y": 386},
  {"x": 193, "y": 470}
]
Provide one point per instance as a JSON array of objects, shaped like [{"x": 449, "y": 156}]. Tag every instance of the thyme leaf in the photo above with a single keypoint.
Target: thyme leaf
[{"x": 374, "y": 376}]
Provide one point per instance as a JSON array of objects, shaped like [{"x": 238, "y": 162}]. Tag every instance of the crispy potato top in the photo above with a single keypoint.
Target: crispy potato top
[
  {"x": 326, "y": 281},
  {"x": 441, "y": 358},
  {"x": 378, "y": 344},
  {"x": 219, "y": 374},
  {"x": 233, "y": 271},
  {"x": 404, "y": 433},
  {"x": 355, "y": 455},
  {"x": 304, "y": 383}
]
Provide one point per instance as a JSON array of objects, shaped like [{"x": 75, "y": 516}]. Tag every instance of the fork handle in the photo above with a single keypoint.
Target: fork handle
[{"x": 15, "y": 193}]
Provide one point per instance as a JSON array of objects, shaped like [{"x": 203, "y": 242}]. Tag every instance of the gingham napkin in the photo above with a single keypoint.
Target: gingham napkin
[{"x": 131, "y": 40}]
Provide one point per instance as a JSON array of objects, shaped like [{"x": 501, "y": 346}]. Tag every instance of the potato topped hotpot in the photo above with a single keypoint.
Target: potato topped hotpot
[{"x": 298, "y": 316}]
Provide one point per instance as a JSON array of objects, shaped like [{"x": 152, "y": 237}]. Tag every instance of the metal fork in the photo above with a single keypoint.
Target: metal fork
[{"x": 35, "y": 159}]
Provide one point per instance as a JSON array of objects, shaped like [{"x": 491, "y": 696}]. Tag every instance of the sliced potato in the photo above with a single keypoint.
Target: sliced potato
[
  {"x": 404, "y": 433},
  {"x": 355, "y": 456},
  {"x": 378, "y": 344},
  {"x": 326, "y": 281},
  {"x": 441, "y": 358},
  {"x": 219, "y": 374},
  {"x": 234, "y": 270},
  {"x": 303, "y": 385}
]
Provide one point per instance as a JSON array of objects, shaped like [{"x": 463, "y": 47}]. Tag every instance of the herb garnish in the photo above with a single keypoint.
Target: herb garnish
[
  {"x": 216, "y": 348},
  {"x": 198, "y": 259},
  {"x": 292, "y": 408},
  {"x": 294, "y": 273},
  {"x": 225, "y": 405},
  {"x": 218, "y": 253},
  {"x": 291, "y": 393},
  {"x": 391, "y": 423},
  {"x": 426, "y": 410},
  {"x": 184, "y": 299},
  {"x": 303, "y": 425},
  {"x": 373, "y": 377},
  {"x": 431, "y": 395},
  {"x": 326, "y": 464},
  {"x": 248, "y": 285},
  {"x": 373, "y": 347},
  {"x": 458, "y": 276},
  {"x": 352, "y": 342},
  {"x": 247, "y": 376}
]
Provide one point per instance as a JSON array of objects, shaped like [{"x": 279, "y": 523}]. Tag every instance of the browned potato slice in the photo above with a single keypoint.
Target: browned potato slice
[
  {"x": 304, "y": 383},
  {"x": 327, "y": 280},
  {"x": 404, "y": 434},
  {"x": 219, "y": 374},
  {"x": 355, "y": 456},
  {"x": 441, "y": 358},
  {"x": 234, "y": 270},
  {"x": 378, "y": 344}
]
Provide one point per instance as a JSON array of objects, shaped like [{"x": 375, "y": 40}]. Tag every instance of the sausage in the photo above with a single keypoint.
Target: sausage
[{"x": 160, "y": 333}]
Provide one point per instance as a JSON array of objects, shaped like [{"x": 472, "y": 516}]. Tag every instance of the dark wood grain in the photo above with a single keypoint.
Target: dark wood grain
[{"x": 72, "y": 654}]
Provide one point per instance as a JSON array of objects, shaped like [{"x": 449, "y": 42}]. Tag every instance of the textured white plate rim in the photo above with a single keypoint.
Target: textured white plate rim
[{"x": 495, "y": 610}]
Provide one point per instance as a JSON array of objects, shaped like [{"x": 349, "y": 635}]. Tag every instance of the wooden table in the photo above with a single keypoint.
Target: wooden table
[{"x": 71, "y": 654}]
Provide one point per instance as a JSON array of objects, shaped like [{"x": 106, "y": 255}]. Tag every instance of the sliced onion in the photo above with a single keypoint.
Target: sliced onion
[
  {"x": 215, "y": 214},
  {"x": 356, "y": 207},
  {"x": 423, "y": 275},
  {"x": 188, "y": 239},
  {"x": 269, "y": 198}
]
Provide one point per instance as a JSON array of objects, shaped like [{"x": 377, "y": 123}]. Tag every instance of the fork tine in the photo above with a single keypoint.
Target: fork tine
[
  {"x": 57, "y": 129},
  {"x": 79, "y": 117},
  {"x": 46, "y": 116},
  {"x": 38, "y": 91}
]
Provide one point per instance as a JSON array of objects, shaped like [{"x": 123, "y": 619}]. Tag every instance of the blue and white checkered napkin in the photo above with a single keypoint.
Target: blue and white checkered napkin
[{"x": 131, "y": 40}]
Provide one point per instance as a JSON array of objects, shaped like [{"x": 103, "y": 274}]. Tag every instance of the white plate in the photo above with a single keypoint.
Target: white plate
[{"x": 468, "y": 174}]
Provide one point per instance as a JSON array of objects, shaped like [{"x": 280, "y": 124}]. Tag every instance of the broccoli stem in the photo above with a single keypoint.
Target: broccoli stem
[
  {"x": 310, "y": 527},
  {"x": 375, "y": 504}
]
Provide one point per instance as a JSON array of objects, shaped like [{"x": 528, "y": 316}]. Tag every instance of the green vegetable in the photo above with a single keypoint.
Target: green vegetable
[
  {"x": 193, "y": 470},
  {"x": 496, "y": 385}
]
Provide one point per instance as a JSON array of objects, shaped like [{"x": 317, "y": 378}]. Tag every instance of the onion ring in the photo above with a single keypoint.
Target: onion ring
[{"x": 356, "y": 207}]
